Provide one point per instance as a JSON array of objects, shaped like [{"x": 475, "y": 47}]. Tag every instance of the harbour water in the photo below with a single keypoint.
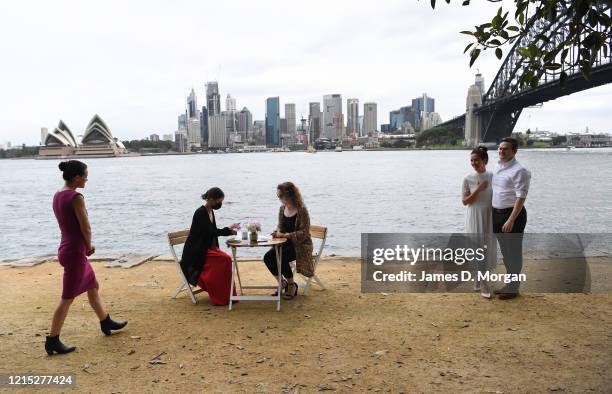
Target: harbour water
[{"x": 133, "y": 201}]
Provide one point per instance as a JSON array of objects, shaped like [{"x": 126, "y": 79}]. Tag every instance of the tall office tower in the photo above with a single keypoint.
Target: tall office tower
[
  {"x": 423, "y": 106},
  {"x": 258, "y": 137},
  {"x": 314, "y": 122},
  {"x": 167, "y": 137},
  {"x": 204, "y": 127},
  {"x": 229, "y": 121},
  {"x": 338, "y": 128},
  {"x": 192, "y": 105},
  {"x": 194, "y": 132},
  {"x": 480, "y": 83},
  {"x": 352, "y": 115},
  {"x": 431, "y": 120},
  {"x": 182, "y": 122},
  {"x": 370, "y": 118},
  {"x": 217, "y": 137},
  {"x": 245, "y": 121},
  {"x": 290, "y": 116},
  {"x": 230, "y": 103},
  {"x": 283, "y": 127},
  {"x": 213, "y": 100},
  {"x": 273, "y": 121},
  {"x": 180, "y": 141},
  {"x": 360, "y": 120},
  {"x": 332, "y": 106}
]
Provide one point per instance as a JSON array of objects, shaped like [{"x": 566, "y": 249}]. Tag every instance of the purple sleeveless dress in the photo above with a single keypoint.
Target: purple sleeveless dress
[{"x": 72, "y": 252}]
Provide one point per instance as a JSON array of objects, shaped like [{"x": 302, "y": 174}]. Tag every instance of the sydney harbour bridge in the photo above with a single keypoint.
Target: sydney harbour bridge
[{"x": 493, "y": 115}]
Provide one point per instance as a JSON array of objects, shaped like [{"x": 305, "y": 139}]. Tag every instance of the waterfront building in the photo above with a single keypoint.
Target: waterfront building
[
  {"x": 332, "y": 108},
  {"x": 217, "y": 131},
  {"x": 213, "y": 100},
  {"x": 314, "y": 122},
  {"x": 273, "y": 121},
  {"x": 370, "y": 118},
  {"x": 352, "y": 115},
  {"x": 290, "y": 118}
]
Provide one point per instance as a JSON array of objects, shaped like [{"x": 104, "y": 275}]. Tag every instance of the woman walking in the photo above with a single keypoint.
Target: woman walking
[{"x": 75, "y": 246}]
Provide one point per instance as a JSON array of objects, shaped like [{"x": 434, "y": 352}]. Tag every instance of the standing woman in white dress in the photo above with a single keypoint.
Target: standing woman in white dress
[{"x": 476, "y": 195}]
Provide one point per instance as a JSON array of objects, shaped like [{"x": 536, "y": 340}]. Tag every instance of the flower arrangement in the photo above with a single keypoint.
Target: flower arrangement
[{"x": 253, "y": 226}]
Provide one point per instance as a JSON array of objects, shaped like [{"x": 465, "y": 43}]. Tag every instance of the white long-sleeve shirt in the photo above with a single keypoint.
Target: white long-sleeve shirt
[{"x": 510, "y": 181}]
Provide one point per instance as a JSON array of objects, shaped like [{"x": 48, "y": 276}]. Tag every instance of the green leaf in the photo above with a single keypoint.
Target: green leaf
[
  {"x": 474, "y": 56},
  {"x": 466, "y": 2},
  {"x": 469, "y": 33},
  {"x": 468, "y": 47},
  {"x": 495, "y": 42},
  {"x": 512, "y": 28},
  {"x": 433, "y": 4},
  {"x": 498, "y": 53}
]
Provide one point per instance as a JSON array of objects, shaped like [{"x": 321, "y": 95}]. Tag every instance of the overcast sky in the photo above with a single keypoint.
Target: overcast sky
[{"x": 134, "y": 62}]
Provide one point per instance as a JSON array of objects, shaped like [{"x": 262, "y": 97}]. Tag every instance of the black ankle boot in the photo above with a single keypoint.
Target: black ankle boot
[
  {"x": 53, "y": 344},
  {"x": 109, "y": 324}
]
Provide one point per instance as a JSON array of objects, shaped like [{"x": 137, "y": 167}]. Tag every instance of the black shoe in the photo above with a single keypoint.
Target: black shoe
[
  {"x": 507, "y": 296},
  {"x": 54, "y": 345},
  {"x": 503, "y": 290},
  {"x": 283, "y": 288},
  {"x": 109, "y": 324},
  {"x": 289, "y": 295}
]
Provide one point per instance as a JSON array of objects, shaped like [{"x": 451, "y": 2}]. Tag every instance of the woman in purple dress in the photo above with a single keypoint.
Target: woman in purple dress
[{"x": 75, "y": 246}]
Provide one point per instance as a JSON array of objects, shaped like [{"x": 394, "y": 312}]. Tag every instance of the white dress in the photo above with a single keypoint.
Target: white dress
[{"x": 479, "y": 217}]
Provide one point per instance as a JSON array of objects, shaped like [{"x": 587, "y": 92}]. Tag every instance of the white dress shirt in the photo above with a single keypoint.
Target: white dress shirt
[{"x": 510, "y": 181}]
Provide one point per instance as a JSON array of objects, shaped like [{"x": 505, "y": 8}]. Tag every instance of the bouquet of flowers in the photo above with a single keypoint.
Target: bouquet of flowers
[{"x": 253, "y": 226}]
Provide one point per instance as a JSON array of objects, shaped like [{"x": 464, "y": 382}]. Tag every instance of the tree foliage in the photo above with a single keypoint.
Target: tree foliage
[{"x": 589, "y": 36}]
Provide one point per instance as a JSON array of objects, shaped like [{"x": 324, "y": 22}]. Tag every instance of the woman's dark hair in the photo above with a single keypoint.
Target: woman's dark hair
[
  {"x": 214, "y": 193},
  {"x": 289, "y": 190},
  {"x": 71, "y": 169},
  {"x": 481, "y": 151}
]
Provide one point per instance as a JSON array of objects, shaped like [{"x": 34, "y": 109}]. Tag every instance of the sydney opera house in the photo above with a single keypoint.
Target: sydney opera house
[{"x": 97, "y": 141}]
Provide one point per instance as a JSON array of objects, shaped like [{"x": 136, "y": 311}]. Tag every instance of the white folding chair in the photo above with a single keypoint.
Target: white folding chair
[
  {"x": 177, "y": 238},
  {"x": 316, "y": 232}
]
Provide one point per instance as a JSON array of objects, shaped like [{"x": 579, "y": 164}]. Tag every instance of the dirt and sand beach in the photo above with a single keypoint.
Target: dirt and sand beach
[{"x": 339, "y": 339}]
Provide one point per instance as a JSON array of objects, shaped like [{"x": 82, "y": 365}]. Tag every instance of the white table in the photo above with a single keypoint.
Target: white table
[{"x": 234, "y": 245}]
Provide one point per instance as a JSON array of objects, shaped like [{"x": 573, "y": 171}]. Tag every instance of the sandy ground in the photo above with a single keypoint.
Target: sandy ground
[{"x": 339, "y": 339}]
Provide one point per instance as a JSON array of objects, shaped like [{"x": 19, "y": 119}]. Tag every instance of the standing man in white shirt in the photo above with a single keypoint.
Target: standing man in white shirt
[{"x": 510, "y": 186}]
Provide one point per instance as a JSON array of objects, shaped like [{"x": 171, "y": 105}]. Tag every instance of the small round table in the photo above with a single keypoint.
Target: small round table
[{"x": 274, "y": 242}]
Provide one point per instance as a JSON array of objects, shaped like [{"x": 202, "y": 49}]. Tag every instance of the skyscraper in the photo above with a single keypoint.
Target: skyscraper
[
  {"x": 230, "y": 103},
  {"x": 314, "y": 122},
  {"x": 352, "y": 115},
  {"x": 182, "y": 122},
  {"x": 245, "y": 121},
  {"x": 192, "y": 105},
  {"x": 290, "y": 117},
  {"x": 204, "y": 127},
  {"x": 423, "y": 106},
  {"x": 273, "y": 121},
  {"x": 332, "y": 107},
  {"x": 217, "y": 131},
  {"x": 370, "y": 118},
  {"x": 213, "y": 100}
]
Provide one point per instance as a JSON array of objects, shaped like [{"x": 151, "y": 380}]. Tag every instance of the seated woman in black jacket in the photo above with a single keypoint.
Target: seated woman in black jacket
[{"x": 203, "y": 263}]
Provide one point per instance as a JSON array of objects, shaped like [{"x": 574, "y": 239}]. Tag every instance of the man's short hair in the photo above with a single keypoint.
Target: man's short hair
[{"x": 512, "y": 141}]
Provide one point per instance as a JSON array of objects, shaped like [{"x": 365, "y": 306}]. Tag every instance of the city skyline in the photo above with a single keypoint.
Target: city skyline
[{"x": 147, "y": 66}]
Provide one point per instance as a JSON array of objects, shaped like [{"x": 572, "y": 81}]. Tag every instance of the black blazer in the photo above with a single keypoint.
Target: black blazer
[{"x": 202, "y": 236}]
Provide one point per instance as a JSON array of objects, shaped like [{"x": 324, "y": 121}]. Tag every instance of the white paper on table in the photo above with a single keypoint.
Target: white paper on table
[{"x": 262, "y": 238}]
